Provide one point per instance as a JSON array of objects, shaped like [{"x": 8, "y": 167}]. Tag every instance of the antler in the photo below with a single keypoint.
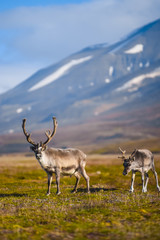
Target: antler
[
  {"x": 123, "y": 153},
  {"x": 28, "y": 136},
  {"x": 49, "y": 134}
]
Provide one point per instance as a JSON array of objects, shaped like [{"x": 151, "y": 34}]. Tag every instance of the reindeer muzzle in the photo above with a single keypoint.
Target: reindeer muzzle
[{"x": 124, "y": 173}]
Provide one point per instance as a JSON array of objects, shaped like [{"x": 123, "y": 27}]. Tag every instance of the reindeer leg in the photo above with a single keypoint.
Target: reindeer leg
[
  {"x": 156, "y": 177},
  {"x": 77, "y": 182},
  {"x": 147, "y": 178},
  {"x": 58, "y": 181},
  {"x": 49, "y": 183},
  {"x": 132, "y": 181},
  {"x": 143, "y": 188},
  {"x": 86, "y": 177}
]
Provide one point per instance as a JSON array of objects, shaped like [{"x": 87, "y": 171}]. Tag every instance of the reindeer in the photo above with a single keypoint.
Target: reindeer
[
  {"x": 59, "y": 161},
  {"x": 141, "y": 160}
]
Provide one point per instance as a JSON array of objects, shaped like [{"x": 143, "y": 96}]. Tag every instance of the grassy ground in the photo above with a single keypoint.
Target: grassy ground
[{"x": 108, "y": 212}]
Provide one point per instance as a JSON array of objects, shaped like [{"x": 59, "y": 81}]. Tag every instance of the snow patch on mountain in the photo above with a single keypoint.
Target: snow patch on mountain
[
  {"x": 92, "y": 84},
  {"x": 147, "y": 64},
  {"x": 136, "y": 49},
  {"x": 111, "y": 69},
  {"x": 107, "y": 80},
  {"x": 11, "y": 131},
  {"x": 59, "y": 73},
  {"x": 19, "y": 110},
  {"x": 140, "y": 64},
  {"x": 136, "y": 82},
  {"x": 129, "y": 67}
]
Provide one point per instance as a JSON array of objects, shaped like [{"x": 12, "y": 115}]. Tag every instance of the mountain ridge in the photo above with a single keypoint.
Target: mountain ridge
[{"x": 87, "y": 91}]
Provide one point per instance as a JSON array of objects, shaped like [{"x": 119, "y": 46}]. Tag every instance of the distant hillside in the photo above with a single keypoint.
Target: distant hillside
[{"x": 99, "y": 85}]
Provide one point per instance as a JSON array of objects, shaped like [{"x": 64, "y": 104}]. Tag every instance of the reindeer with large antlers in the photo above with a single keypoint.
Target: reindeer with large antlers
[
  {"x": 59, "y": 161},
  {"x": 141, "y": 160}
]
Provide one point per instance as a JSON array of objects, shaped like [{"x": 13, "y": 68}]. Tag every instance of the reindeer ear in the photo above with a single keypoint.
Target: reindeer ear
[
  {"x": 132, "y": 159},
  {"x": 122, "y": 157}
]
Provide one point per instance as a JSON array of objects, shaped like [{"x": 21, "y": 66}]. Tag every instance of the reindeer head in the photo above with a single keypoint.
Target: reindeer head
[
  {"x": 127, "y": 162},
  {"x": 38, "y": 148}
]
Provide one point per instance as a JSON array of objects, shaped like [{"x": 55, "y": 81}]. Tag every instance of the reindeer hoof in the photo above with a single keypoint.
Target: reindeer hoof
[
  {"x": 131, "y": 190},
  {"x": 144, "y": 190},
  {"x": 58, "y": 193},
  {"x": 73, "y": 191},
  {"x": 48, "y": 194}
]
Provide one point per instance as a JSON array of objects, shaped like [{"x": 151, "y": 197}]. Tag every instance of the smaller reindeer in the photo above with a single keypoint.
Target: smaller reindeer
[
  {"x": 140, "y": 160},
  {"x": 59, "y": 161}
]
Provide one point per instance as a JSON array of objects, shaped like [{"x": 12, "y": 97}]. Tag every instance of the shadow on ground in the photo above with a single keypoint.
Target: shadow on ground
[
  {"x": 93, "y": 190},
  {"x": 13, "y": 195}
]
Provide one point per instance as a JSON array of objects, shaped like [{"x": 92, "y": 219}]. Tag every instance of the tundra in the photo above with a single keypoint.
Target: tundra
[
  {"x": 141, "y": 160},
  {"x": 59, "y": 161}
]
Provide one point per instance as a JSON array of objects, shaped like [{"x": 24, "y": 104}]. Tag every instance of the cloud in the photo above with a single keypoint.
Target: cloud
[{"x": 45, "y": 35}]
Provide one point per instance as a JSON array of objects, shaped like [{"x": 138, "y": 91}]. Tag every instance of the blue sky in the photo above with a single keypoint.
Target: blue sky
[
  {"x": 10, "y": 4},
  {"x": 36, "y": 34}
]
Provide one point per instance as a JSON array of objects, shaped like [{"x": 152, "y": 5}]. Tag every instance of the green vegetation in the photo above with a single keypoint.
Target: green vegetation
[{"x": 108, "y": 212}]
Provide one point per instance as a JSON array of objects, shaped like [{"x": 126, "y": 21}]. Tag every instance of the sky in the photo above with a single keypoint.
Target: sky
[{"x": 36, "y": 34}]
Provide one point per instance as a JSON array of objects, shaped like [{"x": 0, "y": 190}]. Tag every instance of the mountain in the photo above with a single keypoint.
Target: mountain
[{"x": 108, "y": 84}]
